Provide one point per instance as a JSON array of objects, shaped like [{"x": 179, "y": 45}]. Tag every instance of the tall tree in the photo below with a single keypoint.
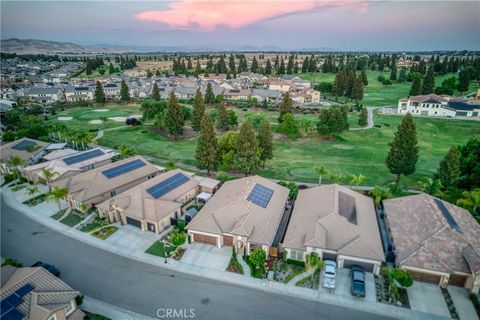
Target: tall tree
[
  {"x": 223, "y": 120},
  {"x": 393, "y": 71},
  {"x": 265, "y": 142},
  {"x": 363, "y": 117},
  {"x": 429, "y": 81},
  {"x": 403, "y": 155},
  {"x": 111, "y": 69},
  {"x": 363, "y": 76},
  {"x": 198, "y": 111},
  {"x": 254, "y": 66},
  {"x": 449, "y": 169},
  {"x": 124, "y": 92},
  {"x": 209, "y": 95},
  {"x": 290, "y": 64},
  {"x": 247, "y": 152},
  {"x": 99, "y": 93},
  {"x": 470, "y": 164},
  {"x": 14, "y": 163},
  {"x": 286, "y": 106},
  {"x": 416, "y": 88},
  {"x": 402, "y": 77},
  {"x": 281, "y": 68},
  {"x": 155, "y": 92},
  {"x": 174, "y": 118},
  {"x": 207, "y": 153},
  {"x": 231, "y": 64},
  {"x": 57, "y": 194},
  {"x": 463, "y": 81},
  {"x": 268, "y": 67},
  {"x": 357, "y": 91}
]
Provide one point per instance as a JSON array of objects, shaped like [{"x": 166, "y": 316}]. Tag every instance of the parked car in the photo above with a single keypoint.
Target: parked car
[
  {"x": 329, "y": 274},
  {"x": 52, "y": 269},
  {"x": 358, "y": 281}
]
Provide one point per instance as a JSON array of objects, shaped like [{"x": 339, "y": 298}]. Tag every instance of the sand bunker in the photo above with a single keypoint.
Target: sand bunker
[
  {"x": 64, "y": 118},
  {"x": 96, "y": 121},
  {"x": 123, "y": 119},
  {"x": 100, "y": 110}
]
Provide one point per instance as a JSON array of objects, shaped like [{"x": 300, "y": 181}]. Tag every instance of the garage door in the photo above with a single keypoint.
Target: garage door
[
  {"x": 368, "y": 267},
  {"x": 134, "y": 222},
  {"x": 457, "y": 280},
  {"x": 425, "y": 277},
  {"x": 204, "y": 239},
  {"x": 227, "y": 241}
]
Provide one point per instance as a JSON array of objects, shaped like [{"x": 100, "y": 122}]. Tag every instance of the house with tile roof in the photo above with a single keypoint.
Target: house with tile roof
[
  {"x": 432, "y": 105},
  {"x": 154, "y": 204},
  {"x": 36, "y": 294},
  {"x": 29, "y": 150},
  {"x": 246, "y": 213},
  {"x": 336, "y": 223},
  {"x": 434, "y": 240}
]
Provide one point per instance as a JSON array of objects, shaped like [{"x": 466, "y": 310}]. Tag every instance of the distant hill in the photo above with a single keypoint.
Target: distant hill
[{"x": 34, "y": 46}]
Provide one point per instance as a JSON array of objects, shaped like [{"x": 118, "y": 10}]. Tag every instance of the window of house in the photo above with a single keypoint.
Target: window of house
[
  {"x": 113, "y": 193},
  {"x": 69, "y": 309},
  {"x": 296, "y": 255}
]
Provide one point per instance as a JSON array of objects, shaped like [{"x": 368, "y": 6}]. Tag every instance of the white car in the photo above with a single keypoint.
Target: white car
[{"x": 328, "y": 275}]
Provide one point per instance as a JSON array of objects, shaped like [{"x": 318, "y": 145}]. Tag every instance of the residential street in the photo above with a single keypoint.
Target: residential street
[{"x": 144, "y": 288}]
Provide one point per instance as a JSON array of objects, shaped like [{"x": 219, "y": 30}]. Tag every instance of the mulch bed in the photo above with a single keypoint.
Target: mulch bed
[{"x": 179, "y": 253}]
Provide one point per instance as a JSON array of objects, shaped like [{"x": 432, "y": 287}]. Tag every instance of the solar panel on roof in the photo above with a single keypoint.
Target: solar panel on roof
[
  {"x": 260, "y": 195},
  {"x": 13, "y": 314},
  {"x": 123, "y": 168},
  {"x": 83, "y": 156},
  {"x": 167, "y": 185},
  {"x": 346, "y": 207},
  {"x": 8, "y": 304},
  {"x": 447, "y": 215},
  {"x": 23, "y": 145},
  {"x": 24, "y": 290}
]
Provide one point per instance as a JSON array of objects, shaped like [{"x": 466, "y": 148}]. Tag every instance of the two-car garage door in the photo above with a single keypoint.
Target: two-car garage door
[
  {"x": 204, "y": 239},
  {"x": 368, "y": 267}
]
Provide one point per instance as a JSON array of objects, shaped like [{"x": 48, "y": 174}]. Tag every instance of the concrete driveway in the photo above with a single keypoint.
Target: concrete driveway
[
  {"x": 344, "y": 283},
  {"x": 427, "y": 301},
  {"x": 207, "y": 256},
  {"x": 131, "y": 239}
]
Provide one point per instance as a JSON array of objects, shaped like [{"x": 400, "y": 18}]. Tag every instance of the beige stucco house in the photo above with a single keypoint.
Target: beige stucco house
[
  {"x": 434, "y": 240},
  {"x": 29, "y": 150},
  {"x": 153, "y": 204},
  {"x": 36, "y": 294},
  {"x": 245, "y": 213},
  {"x": 338, "y": 224},
  {"x": 97, "y": 185}
]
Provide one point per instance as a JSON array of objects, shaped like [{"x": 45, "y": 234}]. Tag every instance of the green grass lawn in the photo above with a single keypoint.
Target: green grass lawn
[
  {"x": 72, "y": 219},
  {"x": 83, "y": 115},
  {"x": 104, "y": 232},
  {"x": 156, "y": 249},
  {"x": 91, "y": 226},
  {"x": 353, "y": 152},
  {"x": 376, "y": 94}
]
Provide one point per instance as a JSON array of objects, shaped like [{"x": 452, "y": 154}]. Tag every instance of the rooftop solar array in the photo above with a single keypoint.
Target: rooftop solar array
[
  {"x": 346, "y": 207},
  {"x": 123, "y": 168},
  {"x": 447, "y": 215},
  {"x": 83, "y": 156},
  {"x": 24, "y": 145},
  {"x": 8, "y": 306},
  {"x": 260, "y": 195},
  {"x": 167, "y": 185}
]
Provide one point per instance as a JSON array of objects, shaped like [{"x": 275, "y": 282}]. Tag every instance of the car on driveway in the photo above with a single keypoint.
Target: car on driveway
[
  {"x": 358, "y": 281},
  {"x": 329, "y": 274},
  {"x": 52, "y": 269}
]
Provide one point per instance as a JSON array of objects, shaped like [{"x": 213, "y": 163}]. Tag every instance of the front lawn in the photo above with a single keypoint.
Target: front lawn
[
  {"x": 19, "y": 187},
  {"x": 91, "y": 226},
  {"x": 72, "y": 219},
  {"x": 157, "y": 249},
  {"x": 59, "y": 214},
  {"x": 32, "y": 202},
  {"x": 105, "y": 232}
]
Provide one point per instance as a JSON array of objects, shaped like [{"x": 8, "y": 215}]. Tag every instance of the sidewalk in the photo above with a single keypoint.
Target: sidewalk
[
  {"x": 228, "y": 277},
  {"x": 98, "y": 307},
  {"x": 245, "y": 267}
]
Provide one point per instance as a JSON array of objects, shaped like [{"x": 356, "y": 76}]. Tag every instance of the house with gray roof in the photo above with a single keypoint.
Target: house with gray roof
[
  {"x": 45, "y": 95},
  {"x": 78, "y": 93},
  {"x": 272, "y": 96}
]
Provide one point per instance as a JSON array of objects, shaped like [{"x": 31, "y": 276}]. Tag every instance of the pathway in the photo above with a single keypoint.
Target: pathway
[
  {"x": 301, "y": 276},
  {"x": 370, "y": 120},
  {"x": 246, "y": 269}
]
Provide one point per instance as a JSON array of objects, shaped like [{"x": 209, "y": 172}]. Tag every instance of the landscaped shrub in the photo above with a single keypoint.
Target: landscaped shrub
[
  {"x": 12, "y": 262},
  {"x": 181, "y": 225},
  {"x": 296, "y": 262},
  {"x": 476, "y": 302},
  {"x": 79, "y": 299},
  {"x": 8, "y": 178},
  {"x": 403, "y": 277},
  {"x": 178, "y": 238}
]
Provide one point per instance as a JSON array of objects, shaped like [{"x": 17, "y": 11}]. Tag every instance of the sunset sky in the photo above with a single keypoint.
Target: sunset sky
[{"x": 342, "y": 25}]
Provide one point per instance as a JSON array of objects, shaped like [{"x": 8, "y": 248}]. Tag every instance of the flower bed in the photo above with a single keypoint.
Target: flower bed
[
  {"x": 35, "y": 200},
  {"x": 285, "y": 271},
  {"x": 311, "y": 282},
  {"x": 234, "y": 265},
  {"x": 178, "y": 254},
  {"x": 105, "y": 232},
  {"x": 450, "y": 304}
]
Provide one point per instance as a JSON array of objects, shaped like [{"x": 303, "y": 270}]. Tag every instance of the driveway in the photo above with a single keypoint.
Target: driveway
[
  {"x": 344, "y": 283},
  {"x": 427, "y": 301},
  {"x": 131, "y": 239},
  {"x": 464, "y": 305},
  {"x": 207, "y": 256}
]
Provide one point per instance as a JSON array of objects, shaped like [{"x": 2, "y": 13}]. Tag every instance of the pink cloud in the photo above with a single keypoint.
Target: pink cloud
[{"x": 210, "y": 14}]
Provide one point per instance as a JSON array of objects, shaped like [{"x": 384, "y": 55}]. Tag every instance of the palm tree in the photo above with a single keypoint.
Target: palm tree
[
  {"x": 14, "y": 163},
  {"x": 337, "y": 178},
  {"x": 396, "y": 189},
  {"x": 32, "y": 190},
  {"x": 470, "y": 200},
  {"x": 125, "y": 151},
  {"x": 379, "y": 194},
  {"x": 358, "y": 179},
  {"x": 48, "y": 176},
  {"x": 57, "y": 194},
  {"x": 431, "y": 186},
  {"x": 322, "y": 171}
]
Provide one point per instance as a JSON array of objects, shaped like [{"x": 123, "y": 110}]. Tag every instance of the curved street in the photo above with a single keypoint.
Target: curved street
[{"x": 145, "y": 288}]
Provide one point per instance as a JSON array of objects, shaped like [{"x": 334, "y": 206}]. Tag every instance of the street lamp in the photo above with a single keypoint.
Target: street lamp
[{"x": 165, "y": 242}]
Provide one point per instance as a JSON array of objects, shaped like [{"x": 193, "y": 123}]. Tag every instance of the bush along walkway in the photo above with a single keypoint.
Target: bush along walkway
[
  {"x": 246, "y": 268},
  {"x": 301, "y": 276}
]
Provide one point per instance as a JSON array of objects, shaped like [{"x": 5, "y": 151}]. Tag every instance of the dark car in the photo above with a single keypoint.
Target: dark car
[
  {"x": 358, "y": 281},
  {"x": 48, "y": 267}
]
